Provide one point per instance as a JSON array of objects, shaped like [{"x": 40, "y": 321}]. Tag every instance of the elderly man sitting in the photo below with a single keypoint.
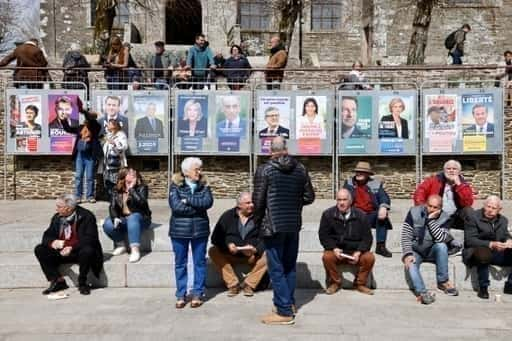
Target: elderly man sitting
[
  {"x": 237, "y": 240},
  {"x": 487, "y": 241},
  {"x": 71, "y": 238}
]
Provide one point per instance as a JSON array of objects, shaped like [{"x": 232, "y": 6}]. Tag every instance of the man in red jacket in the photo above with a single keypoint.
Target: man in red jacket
[{"x": 457, "y": 195}]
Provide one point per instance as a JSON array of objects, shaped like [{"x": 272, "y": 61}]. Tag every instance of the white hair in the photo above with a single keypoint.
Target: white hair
[
  {"x": 69, "y": 200},
  {"x": 455, "y": 162},
  {"x": 241, "y": 195},
  {"x": 74, "y": 47},
  {"x": 190, "y": 162},
  {"x": 349, "y": 194},
  {"x": 493, "y": 198}
]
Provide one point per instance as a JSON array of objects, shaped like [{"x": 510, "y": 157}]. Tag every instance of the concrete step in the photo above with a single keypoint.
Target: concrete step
[{"x": 21, "y": 270}]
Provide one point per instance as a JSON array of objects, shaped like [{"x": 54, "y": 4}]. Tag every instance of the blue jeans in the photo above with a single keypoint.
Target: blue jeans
[
  {"x": 456, "y": 57},
  {"x": 180, "y": 248},
  {"x": 381, "y": 228},
  {"x": 131, "y": 225},
  {"x": 497, "y": 258},
  {"x": 438, "y": 254},
  {"x": 84, "y": 164},
  {"x": 281, "y": 250}
]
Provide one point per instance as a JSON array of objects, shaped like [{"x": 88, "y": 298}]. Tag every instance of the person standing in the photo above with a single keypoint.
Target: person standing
[
  {"x": 199, "y": 59},
  {"x": 457, "y": 51},
  {"x": 276, "y": 64},
  {"x": 281, "y": 188}
]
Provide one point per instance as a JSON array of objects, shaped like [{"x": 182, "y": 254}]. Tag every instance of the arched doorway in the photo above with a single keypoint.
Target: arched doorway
[{"x": 183, "y": 20}]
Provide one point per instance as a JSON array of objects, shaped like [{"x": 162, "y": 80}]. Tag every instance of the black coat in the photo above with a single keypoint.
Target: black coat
[
  {"x": 144, "y": 130},
  {"x": 480, "y": 231},
  {"x": 403, "y": 123},
  {"x": 353, "y": 234},
  {"x": 94, "y": 128},
  {"x": 281, "y": 188},
  {"x": 87, "y": 232},
  {"x": 137, "y": 202},
  {"x": 226, "y": 232}
]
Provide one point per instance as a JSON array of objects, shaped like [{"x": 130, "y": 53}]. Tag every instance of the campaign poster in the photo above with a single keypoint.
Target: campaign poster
[
  {"x": 478, "y": 115},
  {"x": 272, "y": 119},
  {"x": 14, "y": 107},
  {"x": 113, "y": 107},
  {"x": 356, "y": 117},
  {"x": 310, "y": 114},
  {"x": 28, "y": 128},
  {"x": 231, "y": 121},
  {"x": 396, "y": 117},
  {"x": 149, "y": 116},
  {"x": 192, "y": 121},
  {"x": 441, "y": 122},
  {"x": 62, "y": 110}
]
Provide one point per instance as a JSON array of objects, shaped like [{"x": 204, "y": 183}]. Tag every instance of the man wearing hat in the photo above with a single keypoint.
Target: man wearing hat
[{"x": 371, "y": 198}]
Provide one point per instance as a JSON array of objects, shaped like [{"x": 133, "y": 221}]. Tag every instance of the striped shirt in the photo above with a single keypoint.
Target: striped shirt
[{"x": 438, "y": 233}]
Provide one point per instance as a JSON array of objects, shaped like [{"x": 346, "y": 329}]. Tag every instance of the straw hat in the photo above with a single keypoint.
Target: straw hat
[{"x": 363, "y": 166}]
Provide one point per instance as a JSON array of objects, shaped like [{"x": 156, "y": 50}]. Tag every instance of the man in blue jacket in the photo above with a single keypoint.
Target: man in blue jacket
[{"x": 200, "y": 58}]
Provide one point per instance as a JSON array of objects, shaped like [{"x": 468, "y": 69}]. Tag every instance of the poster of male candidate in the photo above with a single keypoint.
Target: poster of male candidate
[
  {"x": 231, "y": 121},
  {"x": 62, "y": 111},
  {"x": 441, "y": 122},
  {"x": 356, "y": 117},
  {"x": 478, "y": 115},
  {"x": 29, "y": 127},
  {"x": 113, "y": 107},
  {"x": 150, "y": 128},
  {"x": 272, "y": 119},
  {"x": 396, "y": 117},
  {"x": 192, "y": 116}
]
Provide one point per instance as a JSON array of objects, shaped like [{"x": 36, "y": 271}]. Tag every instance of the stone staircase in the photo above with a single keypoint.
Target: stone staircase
[{"x": 20, "y": 269}]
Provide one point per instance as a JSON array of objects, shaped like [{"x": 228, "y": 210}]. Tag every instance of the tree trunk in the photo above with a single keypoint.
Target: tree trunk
[
  {"x": 290, "y": 10},
  {"x": 419, "y": 38}
]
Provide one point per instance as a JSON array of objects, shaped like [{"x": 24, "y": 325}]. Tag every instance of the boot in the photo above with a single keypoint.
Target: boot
[{"x": 381, "y": 250}]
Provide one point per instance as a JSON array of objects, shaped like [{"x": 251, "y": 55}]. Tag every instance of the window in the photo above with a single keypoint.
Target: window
[
  {"x": 325, "y": 15},
  {"x": 254, "y": 14},
  {"x": 122, "y": 13}
]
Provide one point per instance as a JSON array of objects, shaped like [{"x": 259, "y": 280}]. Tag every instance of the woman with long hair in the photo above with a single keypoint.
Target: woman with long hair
[{"x": 114, "y": 149}]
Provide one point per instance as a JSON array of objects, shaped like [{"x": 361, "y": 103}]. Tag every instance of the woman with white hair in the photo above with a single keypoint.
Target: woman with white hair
[{"x": 189, "y": 198}]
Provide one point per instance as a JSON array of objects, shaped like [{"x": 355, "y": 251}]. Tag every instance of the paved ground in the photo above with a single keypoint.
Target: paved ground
[{"x": 149, "y": 314}]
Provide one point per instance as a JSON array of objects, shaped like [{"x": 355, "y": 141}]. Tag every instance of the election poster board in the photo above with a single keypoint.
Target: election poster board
[
  {"x": 303, "y": 118},
  {"x": 377, "y": 122},
  {"x": 34, "y": 120},
  {"x": 463, "y": 121},
  {"x": 212, "y": 122},
  {"x": 143, "y": 116}
]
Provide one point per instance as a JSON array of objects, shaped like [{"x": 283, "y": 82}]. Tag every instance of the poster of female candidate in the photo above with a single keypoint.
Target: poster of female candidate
[
  {"x": 310, "y": 117},
  {"x": 28, "y": 129},
  {"x": 149, "y": 115},
  {"x": 62, "y": 111},
  {"x": 272, "y": 119},
  {"x": 192, "y": 116},
  {"x": 396, "y": 117}
]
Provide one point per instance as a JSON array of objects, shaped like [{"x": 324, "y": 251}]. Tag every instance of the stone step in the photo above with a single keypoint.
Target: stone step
[{"x": 21, "y": 270}]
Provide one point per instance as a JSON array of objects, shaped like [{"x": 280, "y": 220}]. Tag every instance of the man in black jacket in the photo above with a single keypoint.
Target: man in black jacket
[
  {"x": 487, "y": 241},
  {"x": 236, "y": 240},
  {"x": 72, "y": 237},
  {"x": 346, "y": 236},
  {"x": 281, "y": 188}
]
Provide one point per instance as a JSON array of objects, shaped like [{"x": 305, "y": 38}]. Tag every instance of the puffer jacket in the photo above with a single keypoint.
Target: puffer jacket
[
  {"x": 189, "y": 218},
  {"x": 462, "y": 194},
  {"x": 281, "y": 188},
  {"x": 137, "y": 202}
]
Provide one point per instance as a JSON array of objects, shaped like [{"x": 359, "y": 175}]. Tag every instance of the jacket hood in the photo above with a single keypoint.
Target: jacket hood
[
  {"x": 285, "y": 163},
  {"x": 179, "y": 179},
  {"x": 75, "y": 54}
]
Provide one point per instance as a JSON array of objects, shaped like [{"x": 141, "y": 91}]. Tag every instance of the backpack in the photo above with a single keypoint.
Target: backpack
[{"x": 450, "y": 42}]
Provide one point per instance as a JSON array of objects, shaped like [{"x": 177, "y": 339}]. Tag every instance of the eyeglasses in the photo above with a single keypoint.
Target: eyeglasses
[{"x": 273, "y": 115}]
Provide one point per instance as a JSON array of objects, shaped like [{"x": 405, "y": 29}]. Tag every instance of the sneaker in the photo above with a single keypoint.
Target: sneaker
[
  {"x": 92, "y": 200},
  {"x": 276, "y": 319},
  {"x": 84, "y": 289},
  {"x": 248, "y": 292},
  {"x": 119, "y": 250},
  {"x": 134, "y": 257},
  {"x": 332, "y": 289},
  {"x": 364, "y": 290},
  {"x": 233, "y": 291},
  {"x": 483, "y": 293},
  {"x": 448, "y": 289},
  {"x": 294, "y": 309},
  {"x": 426, "y": 298},
  {"x": 57, "y": 295},
  {"x": 55, "y": 286},
  {"x": 454, "y": 250}
]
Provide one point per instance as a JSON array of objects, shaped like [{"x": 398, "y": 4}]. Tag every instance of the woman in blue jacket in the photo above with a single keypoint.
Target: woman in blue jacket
[{"x": 189, "y": 198}]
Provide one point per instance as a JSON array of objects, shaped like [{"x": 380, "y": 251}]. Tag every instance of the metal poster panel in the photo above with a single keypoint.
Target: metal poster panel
[
  {"x": 305, "y": 118},
  {"x": 463, "y": 121},
  {"x": 143, "y": 116},
  {"x": 34, "y": 120},
  {"x": 377, "y": 122},
  {"x": 212, "y": 122}
]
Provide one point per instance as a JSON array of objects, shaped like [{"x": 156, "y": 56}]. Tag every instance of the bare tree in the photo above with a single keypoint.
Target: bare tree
[
  {"x": 289, "y": 12},
  {"x": 419, "y": 37}
]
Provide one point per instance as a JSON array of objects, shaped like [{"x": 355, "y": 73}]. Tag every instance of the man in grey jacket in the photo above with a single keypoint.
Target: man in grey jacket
[
  {"x": 457, "y": 50},
  {"x": 161, "y": 59}
]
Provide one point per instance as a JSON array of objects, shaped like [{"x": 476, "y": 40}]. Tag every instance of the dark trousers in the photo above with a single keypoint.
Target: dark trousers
[
  {"x": 50, "y": 259},
  {"x": 459, "y": 219},
  {"x": 484, "y": 256},
  {"x": 282, "y": 250},
  {"x": 456, "y": 57},
  {"x": 200, "y": 82}
]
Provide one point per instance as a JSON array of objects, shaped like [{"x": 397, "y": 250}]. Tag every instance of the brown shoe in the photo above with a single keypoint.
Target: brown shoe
[
  {"x": 276, "y": 319},
  {"x": 180, "y": 304},
  {"x": 233, "y": 291},
  {"x": 294, "y": 309},
  {"x": 196, "y": 302},
  {"x": 332, "y": 289},
  {"x": 364, "y": 290},
  {"x": 248, "y": 292}
]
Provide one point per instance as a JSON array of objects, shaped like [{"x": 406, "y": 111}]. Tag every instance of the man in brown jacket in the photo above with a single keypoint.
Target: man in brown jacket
[
  {"x": 28, "y": 54},
  {"x": 276, "y": 64},
  {"x": 458, "y": 49}
]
